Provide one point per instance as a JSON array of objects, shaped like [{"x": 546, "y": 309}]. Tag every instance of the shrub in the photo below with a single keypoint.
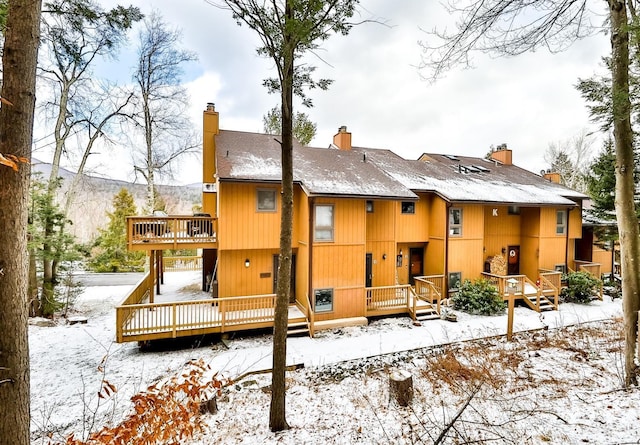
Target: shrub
[
  {"x": 581, "y": 287},
  {"x": 479, "y": 297}
]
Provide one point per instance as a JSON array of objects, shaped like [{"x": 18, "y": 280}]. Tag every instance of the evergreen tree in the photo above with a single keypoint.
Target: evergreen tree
[
  {"x": 303, "y": 129},
  {"x": 48, "y": 242},
  {"x": 110, "y": 253}
]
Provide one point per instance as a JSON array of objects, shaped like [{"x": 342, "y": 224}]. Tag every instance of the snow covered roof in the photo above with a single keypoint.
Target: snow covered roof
[
  {"x": 321, "y": 172},
  {"x": 378, "y": 173}
]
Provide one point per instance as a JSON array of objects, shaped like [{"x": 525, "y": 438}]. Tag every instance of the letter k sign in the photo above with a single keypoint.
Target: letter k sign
[{"x": 495, "y": 212}]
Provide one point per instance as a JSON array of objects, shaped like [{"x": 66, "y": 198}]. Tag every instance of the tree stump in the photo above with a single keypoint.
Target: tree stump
[{"x": 401, "y": 387}]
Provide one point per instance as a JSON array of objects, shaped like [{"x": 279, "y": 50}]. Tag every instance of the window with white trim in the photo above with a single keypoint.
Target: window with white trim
[
  {"x": 561, "y": 222},
  {"x": 323, "y": 222},
  {"x": 266, "y": 200},
  {"x": 455, "y": 221},
  {"x": 323, "y": 300}
]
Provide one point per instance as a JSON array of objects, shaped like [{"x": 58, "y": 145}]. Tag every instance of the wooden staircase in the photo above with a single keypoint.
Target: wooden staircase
[
  {"x": 545, "y": 303},
  {"x": 298, "y": 326},
  {"x": 423, "y": 309}
]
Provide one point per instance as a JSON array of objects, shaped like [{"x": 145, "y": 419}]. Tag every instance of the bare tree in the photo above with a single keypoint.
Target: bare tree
[
  {"x": 507, "y": 27},
  {"x": 19, "y": 59},
  {"x": 571, "y": 158},
  {"x": 76, "y": 34},
  {"x": 288, "y": 29},
  {"x": 162, "y": 103}
]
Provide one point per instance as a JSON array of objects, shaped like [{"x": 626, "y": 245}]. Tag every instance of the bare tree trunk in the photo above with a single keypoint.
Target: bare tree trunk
[
  {"x": 16, "y": 133},
  {"x": 277, "y": 410},
  {"x": 625, "y": 187}
]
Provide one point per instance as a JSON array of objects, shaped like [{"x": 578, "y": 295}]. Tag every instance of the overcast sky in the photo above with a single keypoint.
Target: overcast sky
[{"x": 526, "y": 102}]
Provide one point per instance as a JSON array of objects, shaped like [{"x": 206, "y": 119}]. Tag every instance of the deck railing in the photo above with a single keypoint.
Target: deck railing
[
  {"x": 221, "y": 314},
  {"x": 125, "y": 310},
  {"x": 430, "y": 288},
  {"x": 387, "y": 298},
  {"x": 181, "y": 263},
  {"x": 311, "y": 316},
  {"x": 550, "y": 283},
  {"x": 592, "y": 269},
  {"x": 170, "y": 232}
]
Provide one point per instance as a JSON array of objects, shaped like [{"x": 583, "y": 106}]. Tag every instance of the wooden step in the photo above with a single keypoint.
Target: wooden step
[{"x": 297, "y": 328}]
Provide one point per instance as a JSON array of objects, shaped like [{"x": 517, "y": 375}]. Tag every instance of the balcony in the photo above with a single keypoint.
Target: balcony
[{"x": 171, "y": 232}]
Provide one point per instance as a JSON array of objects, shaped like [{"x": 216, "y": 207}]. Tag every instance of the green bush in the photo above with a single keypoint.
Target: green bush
[
  {"x": 582, "y": 287},
  {"x": 479, "y": 297}
]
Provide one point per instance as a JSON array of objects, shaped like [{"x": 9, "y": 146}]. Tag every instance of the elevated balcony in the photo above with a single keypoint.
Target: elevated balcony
[{"x": 171, "y": 232}]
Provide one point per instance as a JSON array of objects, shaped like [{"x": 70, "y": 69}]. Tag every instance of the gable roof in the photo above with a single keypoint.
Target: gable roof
[
  {"x": 378, "y": 173},
  {"x": 321, "y": 172},
  {"x": 468, "y": 179}
]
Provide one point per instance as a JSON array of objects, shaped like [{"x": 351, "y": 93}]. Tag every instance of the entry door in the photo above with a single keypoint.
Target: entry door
[
  {"x": 513, "y": 260},
  {"x": 416, "y": 258},
  {"x": 368, "y": 279},
  {"x": 276, "y": 264}
]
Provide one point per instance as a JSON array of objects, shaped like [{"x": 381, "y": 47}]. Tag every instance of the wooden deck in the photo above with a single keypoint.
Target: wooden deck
[
  {"x": 171, "y": 232},
  {"x": 180, "y": 315},
  {"x": 540, "y": 296},
  {"x": 176, "y": 314},
  {"x": 421, "y": 303}
]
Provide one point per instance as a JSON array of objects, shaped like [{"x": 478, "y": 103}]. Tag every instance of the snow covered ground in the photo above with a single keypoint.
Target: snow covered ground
[{"x": 340, "y": 396}]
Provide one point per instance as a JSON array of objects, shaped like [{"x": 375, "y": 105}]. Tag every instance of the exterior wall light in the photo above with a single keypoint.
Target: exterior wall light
[
  {"x": 247, "y": 263},
  {"x": 384, "y": 256}
]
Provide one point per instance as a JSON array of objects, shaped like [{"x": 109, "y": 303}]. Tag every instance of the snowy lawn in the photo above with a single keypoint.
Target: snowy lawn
[{"x": 548, "y": 386}]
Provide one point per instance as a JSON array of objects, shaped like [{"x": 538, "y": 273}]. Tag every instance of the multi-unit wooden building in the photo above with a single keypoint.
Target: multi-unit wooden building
[{"x": 373, "y": 234}]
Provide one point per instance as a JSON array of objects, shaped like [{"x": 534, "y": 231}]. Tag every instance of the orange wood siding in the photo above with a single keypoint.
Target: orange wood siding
[
  {"x": 340, "y": 264},
  {"x": 341, "y": 268},
  {"x": 552, "y": 252},
  {"x": 413, "y": 227},
  {"x": 381, "y": 222},
  {"x": 435, "y": 250},
  {"x": 347, "y": 302},
  {"x": 466, "y": 252},
  {"x": 530, "y": 218},
  {"x": 210, "y": 120},
  {"x": 529, "y": 256},
  {"x": 383, "y": 270},
  {"x": 575, "y": 223},
  {"x": 301, "y": 230},
  {"x": 501, "y": 230},
  {"x": 603, "y": 257},
  {"x": 240, "y": 225},
  {"x": 466, "y": 256},
  {"x": 234, "y": 279}
]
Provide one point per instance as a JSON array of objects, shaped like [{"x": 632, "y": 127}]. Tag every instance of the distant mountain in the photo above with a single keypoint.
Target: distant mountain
[{"x": 95, "y": 196}]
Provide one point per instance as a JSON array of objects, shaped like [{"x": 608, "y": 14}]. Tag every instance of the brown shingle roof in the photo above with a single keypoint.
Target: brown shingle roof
[
  {"x": 256, "y": 157},
  {"x": 376, "y": 173}
]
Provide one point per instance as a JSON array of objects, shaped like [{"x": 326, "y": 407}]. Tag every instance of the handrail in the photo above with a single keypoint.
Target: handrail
[
  {"x": 181, "y": 263},
  {"x": 149, "y": 318},
  {"x": 387, "y": 297},
  {"x": 546, "y": 284},
  {"x": 431, "y": 286},
  {"x": 170, "y": 231},
  {"x": 310, "y": 316}
]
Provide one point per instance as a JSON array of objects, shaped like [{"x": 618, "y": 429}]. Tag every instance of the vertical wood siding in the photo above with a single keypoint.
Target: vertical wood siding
[
  {"x": 236, "y": 280},
  {"x": 413, "y": 227},
  {"x": 241, "y": 226}
]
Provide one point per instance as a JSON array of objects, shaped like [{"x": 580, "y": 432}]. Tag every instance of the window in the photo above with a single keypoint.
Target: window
[
  {"x": 323, "y": 300},
  {"x": 455, "y": 222},
  {"x": 408, "y": 207},
  {"x": 561, "y": 222},
  {"x": 455, "y": 279},
  {"x": 514, "y": 210},
  {"x": 324, "y": 223},
  {"x": 266, "y": 200},
  {"x": 369, "y": 206}
]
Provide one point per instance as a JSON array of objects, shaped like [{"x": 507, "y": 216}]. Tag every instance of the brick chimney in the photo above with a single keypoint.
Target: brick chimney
[
  {"x": 502, "y": 154},
  {"x": 342, "y": 139},
  {"x": 553, "y": 177},
  {"x": 210, "y": 128}
]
